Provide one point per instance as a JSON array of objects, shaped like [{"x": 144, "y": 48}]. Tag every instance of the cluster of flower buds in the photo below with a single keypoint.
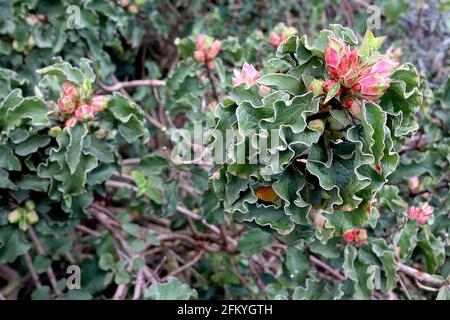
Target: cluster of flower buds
[
  {"x": 361, "y": 76},
  {"x": 24, "y": 216},
  {"x": 249, "y": 76},
  {"x": 280, "y": 33},
  {"x": 421, "y": 213},
  {"x": 74, "y": 107},
  {"x": 206, "y": 50},
  {"x": 359, "y": 236},
  {"x": 360, "y": 73}
]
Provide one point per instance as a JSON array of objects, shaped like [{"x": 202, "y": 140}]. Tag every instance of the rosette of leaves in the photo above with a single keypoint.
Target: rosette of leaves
[
  {"x": 329, "y": 162},
  {"x": 60, "y": 167}
]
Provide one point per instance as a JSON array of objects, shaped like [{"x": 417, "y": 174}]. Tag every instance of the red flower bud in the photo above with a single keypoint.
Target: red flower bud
[{"x": 348, "y": 236}]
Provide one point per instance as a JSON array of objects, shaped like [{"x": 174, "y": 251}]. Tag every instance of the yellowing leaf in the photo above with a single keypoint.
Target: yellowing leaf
[{"x": 267, "y": 194}]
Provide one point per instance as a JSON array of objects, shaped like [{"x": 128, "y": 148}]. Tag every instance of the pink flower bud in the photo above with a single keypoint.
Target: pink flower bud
[
  {"x": 371, "y": 87},
  {"x": 71, "y": 122},
  {"x": 354, "y": 107},
  {"x": 214, "y": 50},
  {"x": 66, "y": 104},
  {"x": 199, "y": 56},
  {"x": 248, "y": 76},
  {"x": 210, "y": 65},
  {"x": 84, "y": 113},
  {"x": 99, "y": 103},
  {"x": 421, "y": 214},
  {"x": 414, "y": 183},
  {"x": 276, "y": 39},
  {"x": 341, "y": 63},
  {"x": 381, "y": 68},
  {"x": 348, "y": 236},
  {"x": 201, "y": 42},
  {"x": 264, "y": 90},
  {"x": 70, "y": 90}
]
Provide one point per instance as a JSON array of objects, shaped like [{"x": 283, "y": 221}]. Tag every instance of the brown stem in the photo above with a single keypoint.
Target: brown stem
[
  {"x": 41, "y": 251},
  {"x": 422, "y": 276},
  {"x": 211, "y": 80},
  {"x": 32, "y": 270},
  {"x": 186, "y": 266}
]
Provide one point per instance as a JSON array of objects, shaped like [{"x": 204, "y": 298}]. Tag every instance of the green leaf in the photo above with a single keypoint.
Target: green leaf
[
  {"x": 8, "y": 160},
  {"x": 130, "y": 116},
  {"x": 73, "y": 153},
  {"x": 31, "y": 145},
  {"x": 106, "y": 262},
  {"x": 173, "y": 289},
  {"x": 63, "y": 70},
  {"x": 316, "y": 290},
  {"x": 406, "y": 239},
  {"x": 444, "y": 293},
  {"x": 434, "y": 250},
  {"x": 369, "y": 46},
  {"x": 332, "y": 92},
  {"x": 360, "y": 273},
  {"x": 253, "y": 241},
  {"x": 132, "y": 229},
  {"x": 12, "y": 244},
  {"x": 297, "y": 264},
  {"x": 18, "y": 109},
  {"x": 32, "y": 182},
  {"x": 282, "y": 82},
  {"x": 101, "y": 150}
]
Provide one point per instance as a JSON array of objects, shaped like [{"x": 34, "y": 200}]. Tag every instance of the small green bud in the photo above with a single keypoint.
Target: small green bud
[
  {"x": 30, "y": 205},
  {"x": 23, "y": 225},
  {"x": 32, "y": 217},
  {"x": 31, "y": 42},
  {"x": 54, "y": 131},
  {"x": 14, "y": 216}
]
